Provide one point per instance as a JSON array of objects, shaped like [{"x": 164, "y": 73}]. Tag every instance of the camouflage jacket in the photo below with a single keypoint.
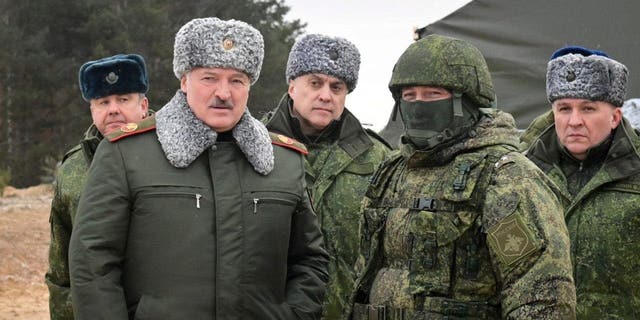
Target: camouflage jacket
[
  {"x": 69, "y": 182},
  {"x": 337, "y": 174},
  {"x": 603, "y": 219},
  {"x": 479, "y": 235}
]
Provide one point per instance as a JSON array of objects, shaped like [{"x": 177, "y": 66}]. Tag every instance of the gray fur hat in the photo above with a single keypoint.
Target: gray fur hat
[
  {"x": 333, "y": 56},
  {"x": 211, "y": 42},
  {"x": 591, "y": 75}
]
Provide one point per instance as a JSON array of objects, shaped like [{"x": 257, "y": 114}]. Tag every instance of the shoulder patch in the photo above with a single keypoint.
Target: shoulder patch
[
  {"x": 284, "y": 141},
  {"x": 511, "y": 240},
  {"x": 133, "y": 128}
]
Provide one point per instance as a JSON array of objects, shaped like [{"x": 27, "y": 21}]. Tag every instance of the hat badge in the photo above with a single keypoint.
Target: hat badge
[
  {"x": 111, "y": 78},
  {"x": 227, "y": 44},
  {"x": 333, "y": 54},
  {"x": 571, "y": 75}
]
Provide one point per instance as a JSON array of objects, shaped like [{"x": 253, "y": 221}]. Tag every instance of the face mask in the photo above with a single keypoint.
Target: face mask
[{"x": 425, "y": 121}]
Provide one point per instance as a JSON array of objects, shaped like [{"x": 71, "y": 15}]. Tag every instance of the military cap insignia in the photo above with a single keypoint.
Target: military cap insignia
[
  {"x": 227, "y": 44},
  {"x": 511, "y": 239},
  {"x": 333, "y": 54},
  {"x": 129, "y": 127},
  {"x": 571, "y": 75},
  {"x": 111, "y": 78}
]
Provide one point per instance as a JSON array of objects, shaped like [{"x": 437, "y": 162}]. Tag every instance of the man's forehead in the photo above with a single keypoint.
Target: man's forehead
[
  {"x": 580, "y": 102},
  {"x": 324, "y": 77},
  {"x": 219, "y": 71},
  {"x": 115, "y": 96}
]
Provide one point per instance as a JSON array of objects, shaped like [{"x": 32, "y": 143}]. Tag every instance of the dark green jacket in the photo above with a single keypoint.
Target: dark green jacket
[
  {"x": 70, "y": 179},
  {"x": 337, "y": 173},
  {"x": 603, "y": 219},
  {"x": 471, "y": 231},
  {"x": 213, "y": 240}
]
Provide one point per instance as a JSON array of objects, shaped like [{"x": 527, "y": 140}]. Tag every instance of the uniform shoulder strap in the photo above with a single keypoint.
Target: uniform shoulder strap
[
  {"x": 378, "y": 137},
  {"x": 133, "y": 128},
  {"x": 286, "y": 142}
]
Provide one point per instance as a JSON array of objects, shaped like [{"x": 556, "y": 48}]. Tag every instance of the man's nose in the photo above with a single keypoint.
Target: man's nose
[
  {"x": 575, "y": 119},
  {"x": 223, "y": 91},
  {"x": 325, "y": 93}
]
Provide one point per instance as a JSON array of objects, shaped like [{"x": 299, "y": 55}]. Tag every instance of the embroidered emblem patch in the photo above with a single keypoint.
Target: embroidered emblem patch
[
  {"x": 111, "y": 78},
  {"x": 129, "y": 127},
  {"x": 511, "y": 239}
]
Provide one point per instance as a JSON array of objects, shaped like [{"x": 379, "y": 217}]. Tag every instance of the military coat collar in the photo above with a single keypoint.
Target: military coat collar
[{"x": 184, "y": 137}]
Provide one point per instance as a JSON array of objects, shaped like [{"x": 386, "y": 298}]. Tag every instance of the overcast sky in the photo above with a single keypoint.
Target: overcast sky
[{"x": 381, "y": 30}]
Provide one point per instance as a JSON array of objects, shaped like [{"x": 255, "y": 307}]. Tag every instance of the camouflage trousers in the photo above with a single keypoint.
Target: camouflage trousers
[{"x": 434, "y": 308}]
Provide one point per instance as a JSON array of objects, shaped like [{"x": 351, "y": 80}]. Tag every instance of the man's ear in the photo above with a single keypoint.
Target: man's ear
[
  {"x": 616, "y": 117},
  {"x": 183, "y": 83},
  {"x": 292, "y": 88}
]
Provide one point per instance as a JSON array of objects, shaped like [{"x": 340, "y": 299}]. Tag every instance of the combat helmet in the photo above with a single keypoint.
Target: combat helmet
[
  {"x": 449, "y": 63},
  {"x": 441, "y": 61}
]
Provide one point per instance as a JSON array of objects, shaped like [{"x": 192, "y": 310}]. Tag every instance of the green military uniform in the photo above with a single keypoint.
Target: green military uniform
[
  {"x": 179, "y": 222},
  {"x": 69, "y": 182},
  {"x": 600, "y": 195},
  {"x": 471, "y": 232},
  {"x": 338, "y": 168}
]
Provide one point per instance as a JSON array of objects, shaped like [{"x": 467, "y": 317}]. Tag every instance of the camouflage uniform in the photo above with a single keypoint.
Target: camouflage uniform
[
  {"x": 70, "y": 179},
  {"x": 338, "y": 168},
  {"x": 600, "y": 195},
  {"x": 478, "y": 237},
  {"x": 458, "y": 224}
]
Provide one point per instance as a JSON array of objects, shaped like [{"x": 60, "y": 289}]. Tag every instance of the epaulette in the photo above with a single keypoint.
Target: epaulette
[
  {"x": 284, "y": 141},
  {"x": 378, "y": 137},
  {"x": 133, "y": 128}
]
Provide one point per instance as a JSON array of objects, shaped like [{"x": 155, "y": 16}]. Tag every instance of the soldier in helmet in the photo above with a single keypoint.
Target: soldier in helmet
[{"x": 459, "y": 224}]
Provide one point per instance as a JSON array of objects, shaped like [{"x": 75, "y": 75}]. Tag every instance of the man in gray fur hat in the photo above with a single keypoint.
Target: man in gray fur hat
[
  {"x": 321, "y": 71},
  {"x": 198, "y": 212},
  {"x": 590, "y": 151}
]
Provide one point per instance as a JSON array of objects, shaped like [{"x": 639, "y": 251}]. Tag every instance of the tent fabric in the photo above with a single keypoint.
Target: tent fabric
[{"x": 517, "y": 38}]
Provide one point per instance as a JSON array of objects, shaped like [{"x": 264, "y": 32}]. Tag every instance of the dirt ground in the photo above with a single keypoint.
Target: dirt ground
[{"x": 24, "y": 246}]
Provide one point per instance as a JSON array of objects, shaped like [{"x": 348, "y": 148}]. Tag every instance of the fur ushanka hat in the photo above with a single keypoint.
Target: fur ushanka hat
[
  {"x": 577, "y": 72},
  {"x": 211, "y": 42}
]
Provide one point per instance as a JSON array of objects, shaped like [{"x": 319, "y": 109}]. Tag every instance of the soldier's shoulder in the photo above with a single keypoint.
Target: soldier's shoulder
[
  {"x": 71, "y": 153},
  {"x": 133, "y": 128},
  {"x": 377, "y": 138},
  {"x": 288, "y": 142}
]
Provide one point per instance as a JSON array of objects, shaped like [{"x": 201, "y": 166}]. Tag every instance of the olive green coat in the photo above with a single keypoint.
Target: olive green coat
[
  {"x": 337, "y": 174},
  {"x": 212, "y": 240},
  {"x": 603, "y": 219},
  {"x": 469, "y": 232},
  {"x": 70, "y": 179}
]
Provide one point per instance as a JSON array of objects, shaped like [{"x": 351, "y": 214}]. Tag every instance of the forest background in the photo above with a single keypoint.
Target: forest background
[{"x": 44, "y": 43}]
